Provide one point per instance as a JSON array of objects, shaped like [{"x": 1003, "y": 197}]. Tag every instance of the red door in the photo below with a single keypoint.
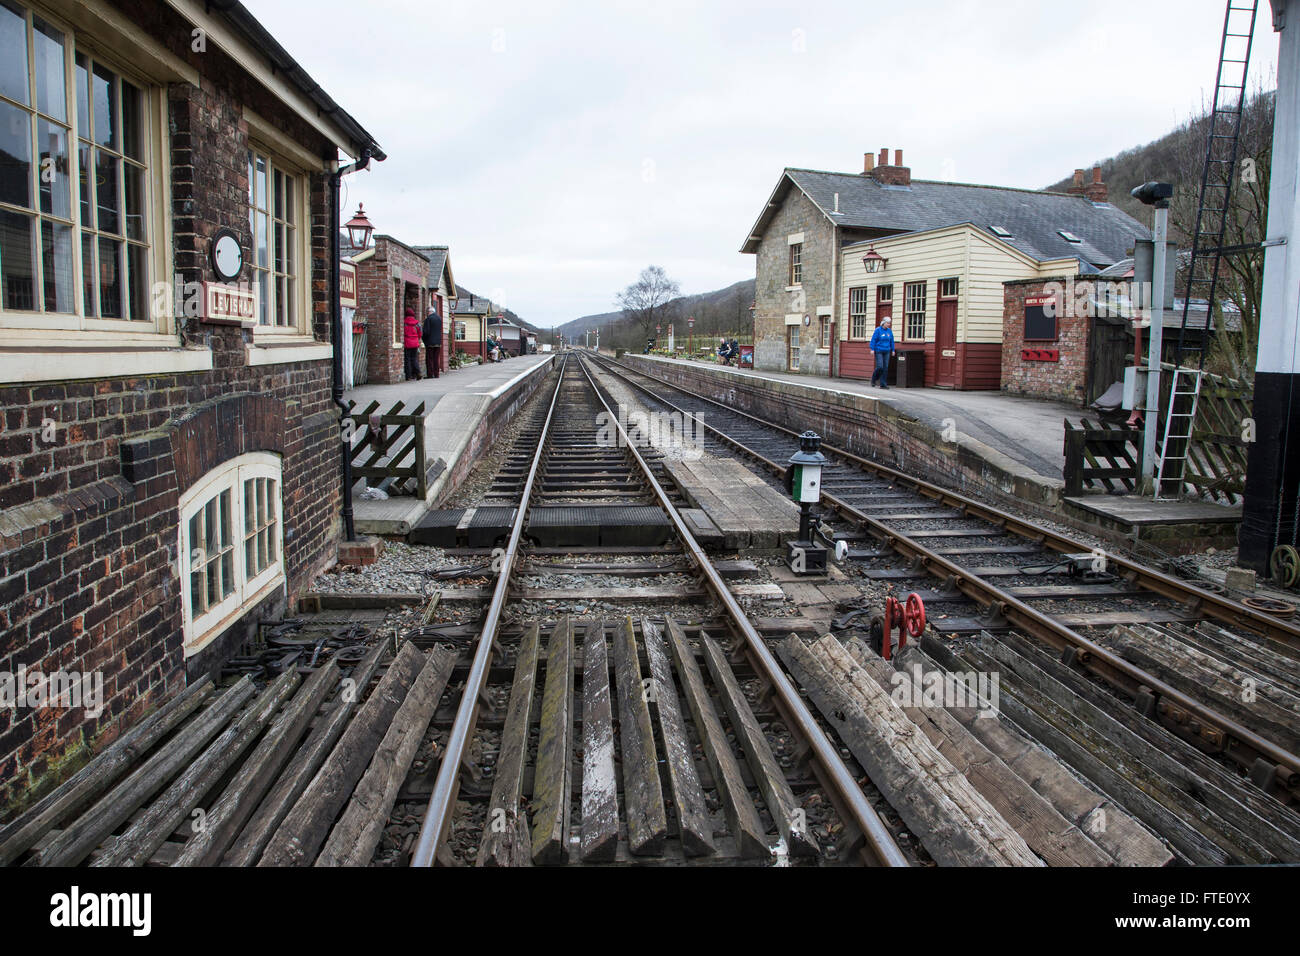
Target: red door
[
  {"x": 884, "y": 303},
  {"x": 945, "y": 344}
]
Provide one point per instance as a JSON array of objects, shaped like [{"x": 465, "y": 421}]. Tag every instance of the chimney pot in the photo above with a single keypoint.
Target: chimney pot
[
  {"x": 868, "y": 162},
  {"x": 1078, "y": 177},
  {"x": 1096, "y": 174},
  {"x": 898, "y": 157},
  {"x": 884, "y": 156}
]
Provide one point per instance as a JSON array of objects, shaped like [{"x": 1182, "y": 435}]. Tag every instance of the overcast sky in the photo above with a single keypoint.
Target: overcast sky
[{"x": 560, "y": 148}]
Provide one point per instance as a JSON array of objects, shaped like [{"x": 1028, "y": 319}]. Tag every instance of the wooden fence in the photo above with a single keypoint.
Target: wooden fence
[
  {"x": 1215, "y": 465},
  {"x": 390, "y": 447}
]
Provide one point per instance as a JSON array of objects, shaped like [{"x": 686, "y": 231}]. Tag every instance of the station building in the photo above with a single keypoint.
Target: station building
[
  {"x": 168, "y": 441},
  {"x": 470, "y": 315},
  {"x": 947, "y": 248}
]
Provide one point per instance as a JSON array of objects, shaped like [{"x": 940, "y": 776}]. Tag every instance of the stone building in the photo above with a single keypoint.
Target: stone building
[
  {"x": 168, "y": 441},
  {"x": 801, "y": 242}
]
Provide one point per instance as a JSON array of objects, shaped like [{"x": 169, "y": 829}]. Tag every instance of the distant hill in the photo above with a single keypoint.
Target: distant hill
[
  {"x": 465, "y": 293},
  {"x": 717, "y": 313}
]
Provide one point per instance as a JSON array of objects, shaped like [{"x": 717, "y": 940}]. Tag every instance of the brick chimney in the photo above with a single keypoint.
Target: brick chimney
[
  {"x": 868, "y": 163},
  {"x": 887, "y": 175},
  {"x": 1076, "y": 188},
  {"x": 1096, "y": 190}
]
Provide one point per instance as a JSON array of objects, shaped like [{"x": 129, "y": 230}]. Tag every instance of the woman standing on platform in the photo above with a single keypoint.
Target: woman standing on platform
[
  {"x": 411, "y": 344},
  {"x": 882, "y": 346}
]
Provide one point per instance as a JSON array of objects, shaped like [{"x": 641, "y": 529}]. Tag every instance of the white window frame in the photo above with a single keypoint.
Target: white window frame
[
  {"x": 29, "y": 327},
  {"x": 858, "y": 320},
  {"x": 300, "y": 274},
  {"x": 230, "y": 476},
  {"x": 910, "y": 311},
  {"x": 40, "y": 347}
]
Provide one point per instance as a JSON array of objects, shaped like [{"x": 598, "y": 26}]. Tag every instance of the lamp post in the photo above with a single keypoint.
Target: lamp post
[
  {"x": 873, "y": 261},
  {"x": 690, "y": 335},
  {"x": 804, "y": 481}
]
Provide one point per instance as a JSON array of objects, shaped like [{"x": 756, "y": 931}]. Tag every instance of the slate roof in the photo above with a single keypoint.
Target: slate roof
[
  {"x": 478, "y": 306},
  {"x": 437, "y": 256},
  {"x": 1033, "y": 217}
]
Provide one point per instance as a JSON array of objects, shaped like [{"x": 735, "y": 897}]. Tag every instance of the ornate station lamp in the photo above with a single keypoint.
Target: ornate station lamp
[
  {"x": 873, "y": 261},
  {"x": 359, "y": 228}
]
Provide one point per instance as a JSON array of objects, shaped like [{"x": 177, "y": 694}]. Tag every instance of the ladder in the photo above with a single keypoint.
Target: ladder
[
  {"x": 1179, "y": 425},
  {"x": 1216, "y": 176}
]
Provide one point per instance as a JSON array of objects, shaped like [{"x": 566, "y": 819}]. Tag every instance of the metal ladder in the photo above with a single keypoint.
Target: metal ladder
[
  {"x": 1217, "y": 175},
  {"x": 1178, "y": 428}
]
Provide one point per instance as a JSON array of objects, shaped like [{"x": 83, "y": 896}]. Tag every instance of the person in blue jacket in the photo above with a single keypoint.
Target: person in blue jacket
[{"x": 882, "y": 344}]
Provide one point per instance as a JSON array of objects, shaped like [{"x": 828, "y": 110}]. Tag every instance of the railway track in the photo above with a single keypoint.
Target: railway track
[
  {"x": 1054, "y": 613},
  {"x": 638, "y": 694}
]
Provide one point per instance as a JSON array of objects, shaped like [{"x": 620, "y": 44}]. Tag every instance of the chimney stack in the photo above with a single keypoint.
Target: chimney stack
[
  {"x": 885, "y": 174},
  {"x": 1096, "y": 190},
  {"x": 1076, "y": 187}
]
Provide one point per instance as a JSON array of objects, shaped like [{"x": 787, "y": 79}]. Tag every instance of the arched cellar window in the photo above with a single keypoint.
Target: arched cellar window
[{"x": 230, "y": 544}]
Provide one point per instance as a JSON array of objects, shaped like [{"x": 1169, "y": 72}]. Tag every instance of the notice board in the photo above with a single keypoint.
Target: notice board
[{"x": 1040, "y": 318}]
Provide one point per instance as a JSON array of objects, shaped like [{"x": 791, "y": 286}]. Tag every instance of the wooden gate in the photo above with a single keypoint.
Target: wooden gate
[
  {"x": 390, "y": 447},
  {"x": 1101, "y": 456}
]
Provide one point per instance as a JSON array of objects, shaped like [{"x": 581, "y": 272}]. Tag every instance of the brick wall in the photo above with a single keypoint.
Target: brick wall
[
  {"x": 1064, "y": 380},
  {"x": 379, "y": 284},
  {"x": 91, "y": 470}
]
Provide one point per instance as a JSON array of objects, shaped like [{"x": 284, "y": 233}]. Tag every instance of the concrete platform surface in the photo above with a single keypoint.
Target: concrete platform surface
[
  {"x": 455, "y": 403},
  {"x": 1028, "y": 431},
  {"x": 490, "y": 379}
]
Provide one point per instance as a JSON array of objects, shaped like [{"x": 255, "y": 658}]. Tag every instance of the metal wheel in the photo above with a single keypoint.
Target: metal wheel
[{"x": 1284, "y": 565}]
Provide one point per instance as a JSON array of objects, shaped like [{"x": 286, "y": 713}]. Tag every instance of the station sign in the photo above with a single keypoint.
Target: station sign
[
  {"x": 229, "y": 304},
  {"x": 347, "y": 285}
]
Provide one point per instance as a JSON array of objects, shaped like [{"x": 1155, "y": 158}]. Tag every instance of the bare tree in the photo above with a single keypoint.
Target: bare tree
[{"x": 646, "y": 302}]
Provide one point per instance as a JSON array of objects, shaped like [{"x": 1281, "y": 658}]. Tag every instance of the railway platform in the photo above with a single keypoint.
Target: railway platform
[
  {"x": 1003, "y": 446},
  {"x": 462, "y": 406}
]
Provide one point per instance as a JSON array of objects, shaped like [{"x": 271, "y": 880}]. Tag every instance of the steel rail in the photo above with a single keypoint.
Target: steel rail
[
  {"x": 438, "y": 814},
  {"x": 864, "y": 815},
  {"x": 1212, "y": 605},
  {"x": 1091, "y": 655}
]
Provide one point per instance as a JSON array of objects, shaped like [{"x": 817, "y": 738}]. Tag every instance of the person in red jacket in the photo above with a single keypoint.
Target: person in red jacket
[{"x": 411, "y": 344}]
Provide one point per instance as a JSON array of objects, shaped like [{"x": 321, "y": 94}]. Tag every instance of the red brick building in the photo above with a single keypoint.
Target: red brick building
[
  {"x": 168, "y": 440},
  {"x": 391, "y": 277}
]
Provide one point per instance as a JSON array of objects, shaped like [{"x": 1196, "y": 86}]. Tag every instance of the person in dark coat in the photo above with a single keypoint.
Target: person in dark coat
[
  {"x": 411, "y": 344},
  {"x": 882, "y": 346},
  {"x": 432, "y": 343}
]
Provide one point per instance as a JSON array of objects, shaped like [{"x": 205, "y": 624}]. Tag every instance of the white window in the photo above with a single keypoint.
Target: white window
[
  {"x": 824, "y": 332},
  {"x": 80, "y": 258},
  {"x": 460, "y": 331},
  {"x": 858, "y": 313},
  {"x": 275, "y": 210},
  {"x": 796, "y": 263},
  {"x": 230, "y": 544},
  {"x": 914, "y": 309}
]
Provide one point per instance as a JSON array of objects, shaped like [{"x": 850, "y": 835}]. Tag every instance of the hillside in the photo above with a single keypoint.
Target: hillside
[
  {"x": 717, "y": 313},
  {"x": 464, "y": 292}
]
